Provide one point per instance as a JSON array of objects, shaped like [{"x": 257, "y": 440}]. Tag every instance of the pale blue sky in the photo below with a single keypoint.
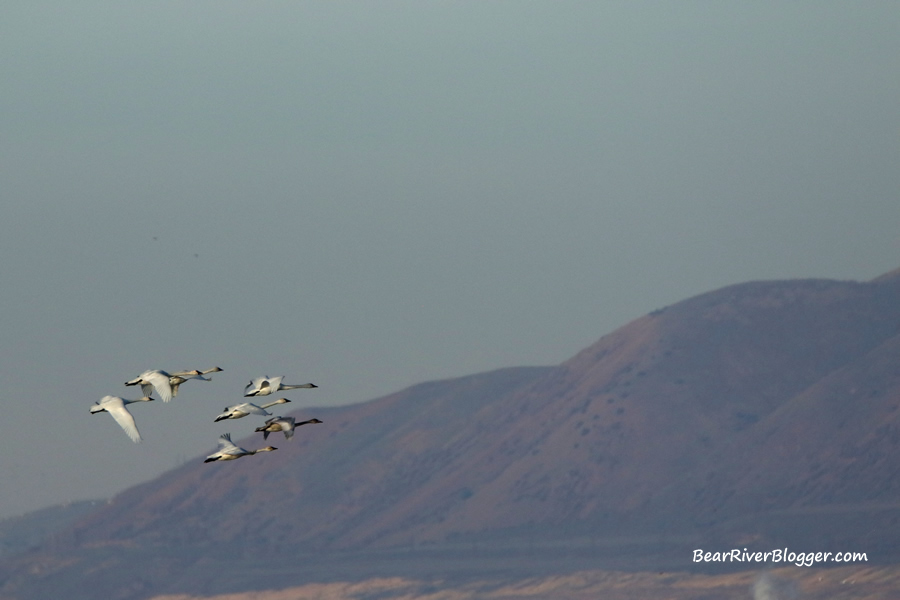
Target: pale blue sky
[{"x": 368, "y": 195}]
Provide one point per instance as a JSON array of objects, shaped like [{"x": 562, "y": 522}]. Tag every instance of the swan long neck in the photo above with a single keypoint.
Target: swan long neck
[
  {"x": 144, "y": 399},
  {"x": 295, "y": 387},
  {"x": 271, "y": 404}
]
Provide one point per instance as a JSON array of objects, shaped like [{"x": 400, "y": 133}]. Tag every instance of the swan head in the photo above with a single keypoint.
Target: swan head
[
  {"x": 282, "y": 401},
  {"x": 267, "y": 449},
  {"x": 214, "y": 370}
]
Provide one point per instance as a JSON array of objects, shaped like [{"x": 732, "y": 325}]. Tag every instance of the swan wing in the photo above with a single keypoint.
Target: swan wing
[
  {"x": 274, "y": 384},
  {"x": 252, "y": 409},
  {"x": 124, "y": 419},
  {"x": 254, "y": 386},
  {"x": 160, "y": 382},
  {"x": 226, "y": 446}
]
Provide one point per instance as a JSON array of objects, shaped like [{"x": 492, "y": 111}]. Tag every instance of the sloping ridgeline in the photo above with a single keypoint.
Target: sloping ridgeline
[{"x": 744, "y": 415}]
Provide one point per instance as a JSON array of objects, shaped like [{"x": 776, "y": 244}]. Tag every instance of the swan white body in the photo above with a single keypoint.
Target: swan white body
[
  {"x": 263, "y": 386},
  {"x": 238, "y": 411},
  {"x": 166, "y": 384},
  {"x": 229, "y": 451},
  {"x": 285, "y": 425},
  {"x": 115, "y": 406}
]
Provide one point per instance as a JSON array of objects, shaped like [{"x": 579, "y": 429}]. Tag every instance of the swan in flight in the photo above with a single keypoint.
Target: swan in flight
[
  {"x": 179, "y": 377},
  {"x": 284, "y": 424},
  {"x": 248, "y": 408},
  {"x": 115, "y": 406},
  {"x": 166, "y": 384},
  {"x": 229, "y": 451},
  {"x": 263, "y": 386}
]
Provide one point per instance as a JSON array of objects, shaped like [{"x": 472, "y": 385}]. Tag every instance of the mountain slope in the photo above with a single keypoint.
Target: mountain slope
[{"x": 711, "y": 415}]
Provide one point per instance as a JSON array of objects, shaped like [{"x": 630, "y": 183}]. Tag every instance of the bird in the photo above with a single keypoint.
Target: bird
[
  {"x": 115, "y": 406},
  {"x": 166, "y": 384},
  {"x": 179, "y": 377},
  {"x": 239, "y": 411},
  {"x": 285, "y": 425},
  {"x": 263, "y": 386},
  {"x": 229, "y": 451}
]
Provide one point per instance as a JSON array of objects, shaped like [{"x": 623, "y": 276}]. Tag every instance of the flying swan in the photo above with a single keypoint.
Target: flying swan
[
  {"x": 115, "y": 406},
  {"x": 239, "y": 411},
  {"x": 166, "y": 384},
  {"x": 263, "y": 386},
  {"x": 284, "y": 424},
  {"x": 229, "y": 451}
]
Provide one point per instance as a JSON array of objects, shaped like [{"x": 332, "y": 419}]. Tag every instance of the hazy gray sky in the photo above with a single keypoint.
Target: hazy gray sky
[{"x": 367, "y": 195}]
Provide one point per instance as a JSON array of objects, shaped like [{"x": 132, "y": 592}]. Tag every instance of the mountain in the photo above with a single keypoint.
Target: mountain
[
  {"x": 760, "y": 412},
  {"x": 18, "y": 534}
]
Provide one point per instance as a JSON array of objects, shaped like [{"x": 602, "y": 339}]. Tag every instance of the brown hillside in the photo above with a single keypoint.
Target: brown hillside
[{"x": 699, "y": 419}]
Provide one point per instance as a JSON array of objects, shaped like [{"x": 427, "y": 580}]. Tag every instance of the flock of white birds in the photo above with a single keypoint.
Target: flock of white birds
[{"x": 166, "y": 385}]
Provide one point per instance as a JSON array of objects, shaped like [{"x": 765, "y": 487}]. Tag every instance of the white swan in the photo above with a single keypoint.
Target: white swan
[
  {"x": 179, "y": 377},
  {"x": 229, "y": 451},
  {"x": 263, "y": 386},
  {"x": 239, "y": 411},
  {"x": 284, "y": 424},
  {"x": 166, "y": 384},
  {"x": 115, "y": 406}
]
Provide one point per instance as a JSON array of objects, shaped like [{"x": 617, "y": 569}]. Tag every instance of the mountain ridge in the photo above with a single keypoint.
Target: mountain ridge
[{"x": 740, "y": 413}]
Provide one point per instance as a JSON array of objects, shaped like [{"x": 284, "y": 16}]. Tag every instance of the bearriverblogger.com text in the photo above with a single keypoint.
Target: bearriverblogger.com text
[{"x": 780, "y": 555}]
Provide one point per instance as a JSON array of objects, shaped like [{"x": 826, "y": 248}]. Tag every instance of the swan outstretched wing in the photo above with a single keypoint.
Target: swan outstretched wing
[
  {"x": 252, "y": 409},
  {"x": 273, "y": 384},
  {"x": 225, "y": 443},
  {"x": 160, "y": 382},
  {"x": 254, "y": 386},
  {"x": 116, "y": 408}
]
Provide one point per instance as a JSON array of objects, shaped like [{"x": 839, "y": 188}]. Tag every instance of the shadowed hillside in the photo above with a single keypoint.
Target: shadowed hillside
[{"x": 748, "y": 413}]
